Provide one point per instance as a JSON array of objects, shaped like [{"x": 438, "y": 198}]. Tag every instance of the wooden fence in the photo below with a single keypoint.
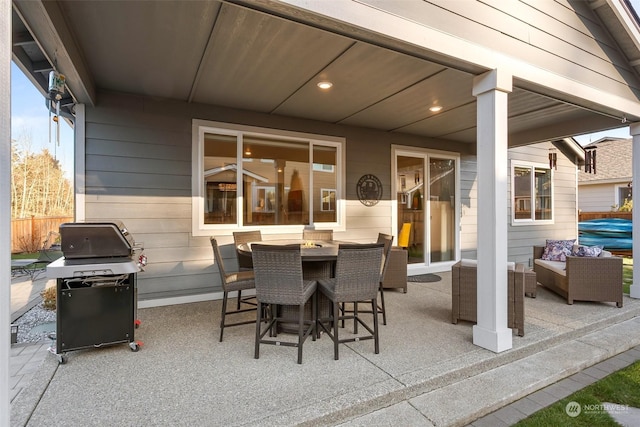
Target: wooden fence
[
  {"x": 29, "y": 234},
  {"x": 586, "y": 216}
]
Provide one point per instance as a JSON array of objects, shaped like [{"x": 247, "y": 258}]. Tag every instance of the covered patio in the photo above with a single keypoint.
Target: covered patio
[{"x": 428, "y": 368}]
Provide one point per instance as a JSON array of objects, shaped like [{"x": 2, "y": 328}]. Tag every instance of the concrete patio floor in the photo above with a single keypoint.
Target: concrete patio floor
[{"x": 428, "y": 371}]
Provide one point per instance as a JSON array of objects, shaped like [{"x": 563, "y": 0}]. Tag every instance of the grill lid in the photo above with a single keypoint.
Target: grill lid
[{"x": 95, "y": 240}]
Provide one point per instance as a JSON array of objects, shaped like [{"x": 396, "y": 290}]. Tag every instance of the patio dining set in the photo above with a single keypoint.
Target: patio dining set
[
  {"x": 315, "y": 284},
  {"x": 306, "y": 287}
]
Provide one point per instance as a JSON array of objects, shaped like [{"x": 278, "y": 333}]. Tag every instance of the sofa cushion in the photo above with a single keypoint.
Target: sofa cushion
[
  {"x": 587, "y": 251},
  {"x": 558, "y": 267},
  {"x": 557, "y": 250}
]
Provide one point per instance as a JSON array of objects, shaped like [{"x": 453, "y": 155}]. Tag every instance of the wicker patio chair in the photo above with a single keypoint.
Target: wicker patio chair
[
  {"x": 279, "y": 281},
  {"x": 239, "y": 237},
  {"x": 325, "y": 235},
  {"x": 464, "y": 296},
  {"x": 357, "y": 279},
  {"x": 233, "y": 281},
  {"x": 387, "y": 240}
]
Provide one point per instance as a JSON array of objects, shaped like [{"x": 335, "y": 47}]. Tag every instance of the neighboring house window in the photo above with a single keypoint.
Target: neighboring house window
[
  {"x": 624, "y": 195},
  {"x": 328, "y": 200},
  {"x": 246, "y": 176},
  {"x": 532, "y": 193}
]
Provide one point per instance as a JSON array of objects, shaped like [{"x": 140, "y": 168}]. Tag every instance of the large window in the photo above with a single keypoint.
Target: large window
[
  {"x": 246, "y": 176},
  {"x": 532, "y": 193}
]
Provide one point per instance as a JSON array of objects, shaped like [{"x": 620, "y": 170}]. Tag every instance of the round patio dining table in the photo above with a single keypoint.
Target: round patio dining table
[
  {"x": 318, "y": 262},
  {"x": 310, "y": 251}
]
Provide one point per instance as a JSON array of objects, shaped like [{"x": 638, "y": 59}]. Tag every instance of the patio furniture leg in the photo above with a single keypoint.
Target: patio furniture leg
[
  {"x": 336, "y": 314},
  {"x": 224, "y": 311},
  {"x": 384, "y": 309},
  {"x": 314, "y": 316},
  {"x": 239, "y": 299},
  {"x": 374, "y": 308},
  {"x": 300, "y": 332},
  {"x": 258, "y": 322}
]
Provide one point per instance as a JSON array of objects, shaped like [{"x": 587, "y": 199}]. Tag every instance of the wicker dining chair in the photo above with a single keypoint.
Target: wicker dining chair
[
  {"x": 324, "y": 235},
  {"x": 387, "y": 240},
  {"x": 279, "y": 281},
  {"x": 357, "y": 279},
  {"x": 233, "y": 281},
  {"x": 239, "y": 237}
]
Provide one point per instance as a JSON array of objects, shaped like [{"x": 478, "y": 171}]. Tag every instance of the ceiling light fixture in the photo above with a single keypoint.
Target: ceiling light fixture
[
  {"x": 247, "y": 151},
  {"x": 435, "y": 108},
  {"x": 325, "y": 85}
]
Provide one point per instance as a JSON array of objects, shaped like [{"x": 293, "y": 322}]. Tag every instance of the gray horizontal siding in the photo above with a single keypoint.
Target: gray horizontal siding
[{"x": 138, "y": 161}]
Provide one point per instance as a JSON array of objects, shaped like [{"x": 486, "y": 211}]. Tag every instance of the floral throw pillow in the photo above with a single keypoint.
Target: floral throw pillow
[
  {"x": 587, "y": 251},
  {"x": 557, "y": 250}
]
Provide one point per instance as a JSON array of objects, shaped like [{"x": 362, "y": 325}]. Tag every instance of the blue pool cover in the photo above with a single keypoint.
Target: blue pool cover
[{"x": 612, "y": 233}]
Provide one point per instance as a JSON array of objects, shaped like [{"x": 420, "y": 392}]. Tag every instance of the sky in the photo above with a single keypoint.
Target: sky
[{"x": 29, "y": 116}]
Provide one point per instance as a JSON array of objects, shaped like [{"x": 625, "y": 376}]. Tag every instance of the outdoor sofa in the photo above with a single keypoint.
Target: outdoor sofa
[{"x": 581, "y": 278}]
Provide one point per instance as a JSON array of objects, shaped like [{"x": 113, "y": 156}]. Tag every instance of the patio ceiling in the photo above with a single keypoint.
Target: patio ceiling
[{"x": 226, "y": 54}]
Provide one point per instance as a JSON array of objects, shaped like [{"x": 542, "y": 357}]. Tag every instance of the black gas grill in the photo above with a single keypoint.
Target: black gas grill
[{"x": 96, "y": 283}]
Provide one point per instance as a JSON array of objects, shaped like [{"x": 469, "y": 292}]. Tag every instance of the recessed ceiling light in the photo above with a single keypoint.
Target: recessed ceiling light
[
  {"x": 325, "y": 85},
  {"x": 435, "y": 108}
]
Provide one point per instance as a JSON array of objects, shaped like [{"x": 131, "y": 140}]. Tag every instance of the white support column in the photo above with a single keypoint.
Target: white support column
[
  {"x": 492, "y": 90},
  {"x": 634, "y": 130},
  {"x": 5, "y": 208}
]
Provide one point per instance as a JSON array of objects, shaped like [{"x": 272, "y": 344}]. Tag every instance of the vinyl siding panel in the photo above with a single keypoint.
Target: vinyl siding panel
[{"x": 596, "y": 197}]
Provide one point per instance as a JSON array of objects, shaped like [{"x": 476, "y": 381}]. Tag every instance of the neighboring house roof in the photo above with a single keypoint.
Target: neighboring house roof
[{"x": 613, "y": 161}]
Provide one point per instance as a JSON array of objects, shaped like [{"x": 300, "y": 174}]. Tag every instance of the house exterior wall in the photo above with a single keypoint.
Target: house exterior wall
[
  {"x": 138, "y": 170},
  {"x": 521, "y": 238},
  {"x": 598, "y": 197}
]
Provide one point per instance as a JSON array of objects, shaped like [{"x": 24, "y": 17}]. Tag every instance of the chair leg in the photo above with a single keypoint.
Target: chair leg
[
  {"x": 300, "y": 332},
  {"x": 224, "y": 312},
  {"x": 314, "y": 316},
  {"x": 384, "y": 309},
  {"x": 374, "y": 308},
  {"x": 355, "y": 317},
  {"x": 336, "y": 315},
  {"x": 239, "y": 299},
  {"x": 258, "y": 322}
]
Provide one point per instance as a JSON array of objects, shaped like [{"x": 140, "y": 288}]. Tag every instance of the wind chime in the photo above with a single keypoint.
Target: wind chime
[
  {"x": 590, "y": 160},
  {"x": 56, "y": 89}
]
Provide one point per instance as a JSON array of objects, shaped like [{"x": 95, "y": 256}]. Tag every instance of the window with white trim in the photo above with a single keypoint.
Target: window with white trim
[
  {"x": 246, "y": 176},
  {"x": 532, "y": 193}
]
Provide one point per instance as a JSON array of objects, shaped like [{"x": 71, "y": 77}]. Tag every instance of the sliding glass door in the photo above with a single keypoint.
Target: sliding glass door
[{"x": 427, "y": 203}]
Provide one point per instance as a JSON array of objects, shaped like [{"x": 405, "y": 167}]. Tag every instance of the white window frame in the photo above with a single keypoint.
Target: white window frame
[
  {"x": 200, "y": 127},
  {"x": 532, "y": 220}
]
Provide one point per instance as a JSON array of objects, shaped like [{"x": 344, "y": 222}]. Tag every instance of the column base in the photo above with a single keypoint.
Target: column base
[
  {"x": 634, "y": 291},
  {"x": 496, "y": 341}
]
